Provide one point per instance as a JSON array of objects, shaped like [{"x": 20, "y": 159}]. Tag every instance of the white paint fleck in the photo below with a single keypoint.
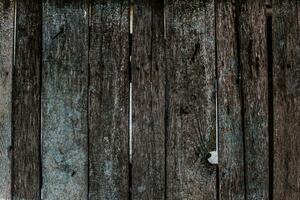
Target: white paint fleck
[{"x": 213, "y": 159}]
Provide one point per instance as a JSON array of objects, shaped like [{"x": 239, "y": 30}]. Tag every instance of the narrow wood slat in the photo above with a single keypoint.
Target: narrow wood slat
[
  {"x": 109, "y": 100},
  {"x": 286, "y": 90},
  {"x": 6, "y": 65},
  {"x": 148, "y": 101},
  {"x": 190, "y": 99},
  {"x": 254, "y": 68},
  {"x": 231, "y": 154},
  {"x": 26, "y": 102},
  {"x": 64, "y": 100}
]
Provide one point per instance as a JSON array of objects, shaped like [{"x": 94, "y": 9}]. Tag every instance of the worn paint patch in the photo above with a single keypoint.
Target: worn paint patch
[{"x": 141, "y": 189}]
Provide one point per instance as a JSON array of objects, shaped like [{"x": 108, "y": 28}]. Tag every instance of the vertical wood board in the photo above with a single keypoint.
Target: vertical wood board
[
  {"x": 286, "y": 102},
  {"x": 6, "y": 65},
  {"x": 231, "y": 149},
  {"x": 190, "y": 99},
  {"x": 64, "y": 100},
  {"x": 26, "y": 102},
  {"x": 254, "y": 68},
  {"x": 109, "y": 100},
  {"x": 148, "y": 84}
]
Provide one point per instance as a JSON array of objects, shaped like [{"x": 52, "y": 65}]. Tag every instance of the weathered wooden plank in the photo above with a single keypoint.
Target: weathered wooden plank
[
  {"x": 26, "y": 102},
  {"x": 231, "y": 154},
  {"x": 243, "y": 100},
  {"x": 6, "y": 65},
  {"x": 64, "y": 100},
  {"x": 148, "y": 101},
  {"x": 286, "y": 90},
  {"x": 254, "y": 68},
  {"x": 109, "y": 100},
  {"x": 190, "y": 96}
]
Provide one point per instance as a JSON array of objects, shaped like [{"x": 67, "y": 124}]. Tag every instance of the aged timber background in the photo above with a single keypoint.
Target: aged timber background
[{"x": 120, "y": 99}]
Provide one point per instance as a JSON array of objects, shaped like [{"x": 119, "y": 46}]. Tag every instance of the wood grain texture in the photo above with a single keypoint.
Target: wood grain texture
[
  {"x": 254, "y": 68},
  {"x": 6, "y": 65},
  {"x": 148, "y": 83},
  {"x": 109, "y": 100},
  {"x": 190, "y": 96},
  {"x": 231, "y": 153},
  {"x": 26, "y": 102},
  {"x": 64, "y": 100},
  {"x": 286, "y": 85}
]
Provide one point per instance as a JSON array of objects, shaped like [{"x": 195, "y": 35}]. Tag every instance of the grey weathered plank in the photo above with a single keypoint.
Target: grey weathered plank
[
  {"x": 254, "y": 69},
  {"x": 148, "y": 101},
  {"x": 109, "y": 100},
  {"x": 6, "y": 65},
  {"x": 64, "y": 100},
  {"x": 26, "y": 102},
  {"x": 286, "y": 85},
  {"x": 231, "y": 154},
  {"x": 190, "y": 99}
]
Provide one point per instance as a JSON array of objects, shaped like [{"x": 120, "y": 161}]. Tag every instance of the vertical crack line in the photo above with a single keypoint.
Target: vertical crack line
[
  {"x": 130, "y": 122},
  {"x": 14, "y": 33},
  {"x": 40, "y": 100},
  {"x": 216, "y": 86},
  {"x": 12, "y": 100},
  {"x": 90, "y": 2},
  {"x": 240, "y": 74},
  {"x": 130, "y": 81},
  {"x": 165, "y": 23},
  {"x": 270, "y": 104},
  {"x": 130, "y": 13},
  {"x": 167, "y": 99},
  {"x": 216, "y": 103}
]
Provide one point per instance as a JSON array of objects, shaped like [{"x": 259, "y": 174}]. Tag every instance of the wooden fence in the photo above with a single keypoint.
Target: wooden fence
[{"x": 197, "y": 68}]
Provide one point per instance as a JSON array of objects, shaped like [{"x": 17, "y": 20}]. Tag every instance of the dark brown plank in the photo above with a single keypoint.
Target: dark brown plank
[
  {"x": 254, "y": 69},
  {"x": 26, "y": 102},
  {"x": 64, "y": 100},
  {"x": 6, "y": 65},
  {"x": 286, "y": 84},
  {"x": 148, "y": 100},
  {"x": 109, "y": 100},
  {"x": 190, "y": 98},
  {"x": 231, "y": 154}
]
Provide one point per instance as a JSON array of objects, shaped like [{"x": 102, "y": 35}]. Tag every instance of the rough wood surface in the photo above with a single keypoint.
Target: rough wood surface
[
  {"x": 231, "y": 154},
  {"x": 109, "y": 100},
  {"x": 6, "y": 65},
  {"x": 148, "y": 83},
  {"x": 254, "y": 69},
  {"x": 286, "y": 84},
  {"x": 26, "y": 102},
  {"x": 190, "y": 99},
  {"x": 64, "y": 100}
]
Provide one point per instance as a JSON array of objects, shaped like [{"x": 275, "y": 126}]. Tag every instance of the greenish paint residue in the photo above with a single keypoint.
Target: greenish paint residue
[
  {"x": 141, "y": 189},
  {"x": 64, "y": 100}
]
